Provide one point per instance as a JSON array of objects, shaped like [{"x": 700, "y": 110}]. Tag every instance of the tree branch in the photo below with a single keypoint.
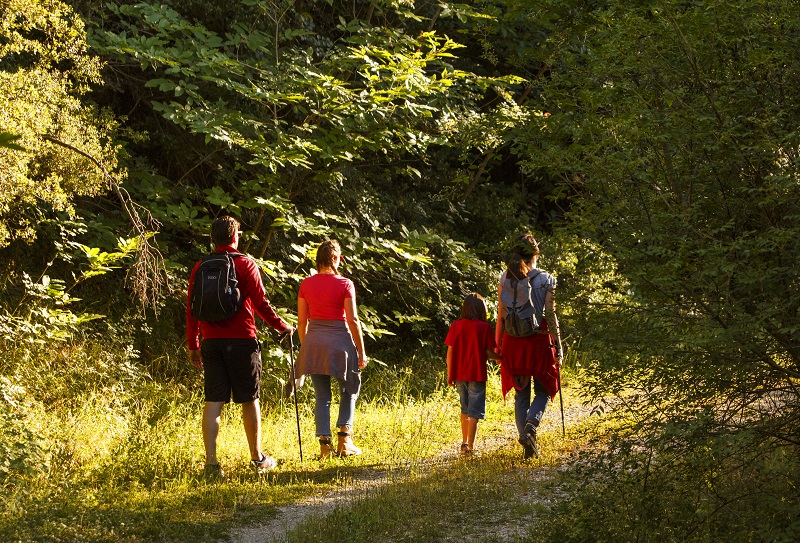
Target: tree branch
[
  {"x": 147, "y": 277},
  {"x": 479, "y": 172}
]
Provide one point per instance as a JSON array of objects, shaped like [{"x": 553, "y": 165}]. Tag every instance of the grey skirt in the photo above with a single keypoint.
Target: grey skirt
[{"x": 328, "y": 349}]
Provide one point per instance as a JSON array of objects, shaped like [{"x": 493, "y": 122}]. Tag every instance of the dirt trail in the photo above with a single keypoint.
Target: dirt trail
[{"x": 290, "y": 516}]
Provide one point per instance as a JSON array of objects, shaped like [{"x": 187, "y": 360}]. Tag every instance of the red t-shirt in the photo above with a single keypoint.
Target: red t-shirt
[
  {"x": 325, "y": 294},
  {"x": 469, "y": 340},
  {"x": 243, "y": 324}
]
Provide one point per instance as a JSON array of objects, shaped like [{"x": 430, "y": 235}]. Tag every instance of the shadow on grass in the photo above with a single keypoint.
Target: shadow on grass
[
  {"x": 472, "y": 498},
  {"x": 187, "y": 508}
]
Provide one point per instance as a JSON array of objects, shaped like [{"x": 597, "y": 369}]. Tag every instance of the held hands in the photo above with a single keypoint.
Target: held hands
[
  {"x": 362, "y": 361},
  {"x": 195, "y": 359}
]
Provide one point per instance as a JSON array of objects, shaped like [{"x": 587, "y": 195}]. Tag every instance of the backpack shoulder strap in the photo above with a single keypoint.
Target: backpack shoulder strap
[
  {"x": 514, "y": 306},
  {"x": 532, "y": 277},
  {"x": 535, "y": 275},
  {"x": 224, "y": 253}
]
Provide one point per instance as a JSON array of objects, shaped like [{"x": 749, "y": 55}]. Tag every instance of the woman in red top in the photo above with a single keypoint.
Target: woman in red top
[
  {"x": 470, "y": 341},
  {"x": 332, "y": 345},
  {"x": 533, "y": 361}
]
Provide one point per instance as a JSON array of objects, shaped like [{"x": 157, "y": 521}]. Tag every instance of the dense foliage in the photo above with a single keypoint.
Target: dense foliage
[
  {"x": 672, "y": 128},
  {"x": 652, "y": 145},
  {"x": 47, "y": 68}
]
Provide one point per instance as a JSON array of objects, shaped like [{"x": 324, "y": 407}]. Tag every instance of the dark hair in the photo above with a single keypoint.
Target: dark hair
[
  {"x": 326, "y": 253},
  {"x": 223, "y": 230},
  {"x": 474, "y": 307},
  {"x": 525, "y": 247}
]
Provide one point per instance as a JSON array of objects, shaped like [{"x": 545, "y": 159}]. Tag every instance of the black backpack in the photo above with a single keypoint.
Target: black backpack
[
  {"x": 520, "y": 319},
  {"x": 215, "y": 293}
]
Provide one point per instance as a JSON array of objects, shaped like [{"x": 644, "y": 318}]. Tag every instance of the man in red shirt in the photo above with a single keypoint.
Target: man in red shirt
[{"x": 230, "y": 353}]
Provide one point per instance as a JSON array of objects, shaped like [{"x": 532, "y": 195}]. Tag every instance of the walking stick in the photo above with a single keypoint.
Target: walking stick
[
  {"x": 293, "y": 380},
  {"x": 561, "y": 400}
]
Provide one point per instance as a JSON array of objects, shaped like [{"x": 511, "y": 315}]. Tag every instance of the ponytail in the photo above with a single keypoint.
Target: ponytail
[
  {"x": 525, "y": 248},
  {"x": 517, "y": 267}
]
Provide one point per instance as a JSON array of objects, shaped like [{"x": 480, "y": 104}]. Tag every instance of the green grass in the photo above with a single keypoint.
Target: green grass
[
  {"x": 493, "y": 496},
  {"x": 99, "y": 452},
  {"x": 126, "y": 467}
]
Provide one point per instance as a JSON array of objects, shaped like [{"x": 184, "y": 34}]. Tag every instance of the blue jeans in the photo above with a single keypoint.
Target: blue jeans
[
  {"x": 322, "y": 409},
  {"x": 525, "y": 410}
]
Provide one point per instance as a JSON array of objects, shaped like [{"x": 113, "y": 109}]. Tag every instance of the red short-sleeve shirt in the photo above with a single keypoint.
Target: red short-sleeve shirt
[
  {"x": 469, "y": 340},
  {"x": 325, "y": 294}
]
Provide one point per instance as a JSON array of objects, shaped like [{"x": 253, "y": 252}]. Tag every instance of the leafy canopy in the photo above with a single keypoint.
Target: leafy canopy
[
  {"x": 45, "y": 75},
  {"x": 672, "y": 129}
]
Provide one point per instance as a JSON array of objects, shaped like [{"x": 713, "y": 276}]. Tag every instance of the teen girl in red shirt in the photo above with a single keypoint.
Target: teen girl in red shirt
[
  {"x": 470, "y": 342},
  {"x": 332, "y": 346}
]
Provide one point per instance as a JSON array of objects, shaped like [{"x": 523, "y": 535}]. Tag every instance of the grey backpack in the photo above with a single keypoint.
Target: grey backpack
[{"x": 520, "y": 319}]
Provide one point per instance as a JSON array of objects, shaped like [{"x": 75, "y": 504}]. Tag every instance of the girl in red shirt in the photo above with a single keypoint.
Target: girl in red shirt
[
  {"x": 331, "y": 346},
  {"x": 470, "y": 342}
]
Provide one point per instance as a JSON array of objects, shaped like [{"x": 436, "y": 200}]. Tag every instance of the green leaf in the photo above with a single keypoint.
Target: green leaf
[{"x": 7, "y": 140}]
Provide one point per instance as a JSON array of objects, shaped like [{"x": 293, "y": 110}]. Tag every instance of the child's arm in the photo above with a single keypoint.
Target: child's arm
[
  {"x": 492, "y": 355},
  {"x": 449, "y": 365}
]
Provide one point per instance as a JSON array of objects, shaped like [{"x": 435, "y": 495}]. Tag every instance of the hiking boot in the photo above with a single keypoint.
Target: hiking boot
[
  {"x": 346, "y": 447},
  {"x": 325, "y": 447},
  {"x": 213, "y": 472},
  {"x": 265, "y": 464},
  {"x": 528, "y": 442}
]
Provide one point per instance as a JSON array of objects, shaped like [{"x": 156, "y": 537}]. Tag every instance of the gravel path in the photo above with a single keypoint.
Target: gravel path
[{"x": 290, "y": 516}]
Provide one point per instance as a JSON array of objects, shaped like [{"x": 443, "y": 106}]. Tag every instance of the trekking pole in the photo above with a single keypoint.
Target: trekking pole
[
  {"x": 561, "y": 400},
  {"x": 294, "y": 385}
]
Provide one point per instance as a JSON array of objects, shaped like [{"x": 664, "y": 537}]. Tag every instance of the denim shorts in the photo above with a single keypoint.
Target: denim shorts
[{"x": 473, "y": 398}]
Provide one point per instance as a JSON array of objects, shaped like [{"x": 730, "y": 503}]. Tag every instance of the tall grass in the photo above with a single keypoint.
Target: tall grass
[
  {"x": 95, "y": 450},
  {"x": 723, "y": 488},
  {"x": 112, "y": 455}
]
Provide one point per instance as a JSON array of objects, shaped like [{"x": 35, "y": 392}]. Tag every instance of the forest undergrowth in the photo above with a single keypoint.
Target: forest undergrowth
[{"x": 97, "y": 451}]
